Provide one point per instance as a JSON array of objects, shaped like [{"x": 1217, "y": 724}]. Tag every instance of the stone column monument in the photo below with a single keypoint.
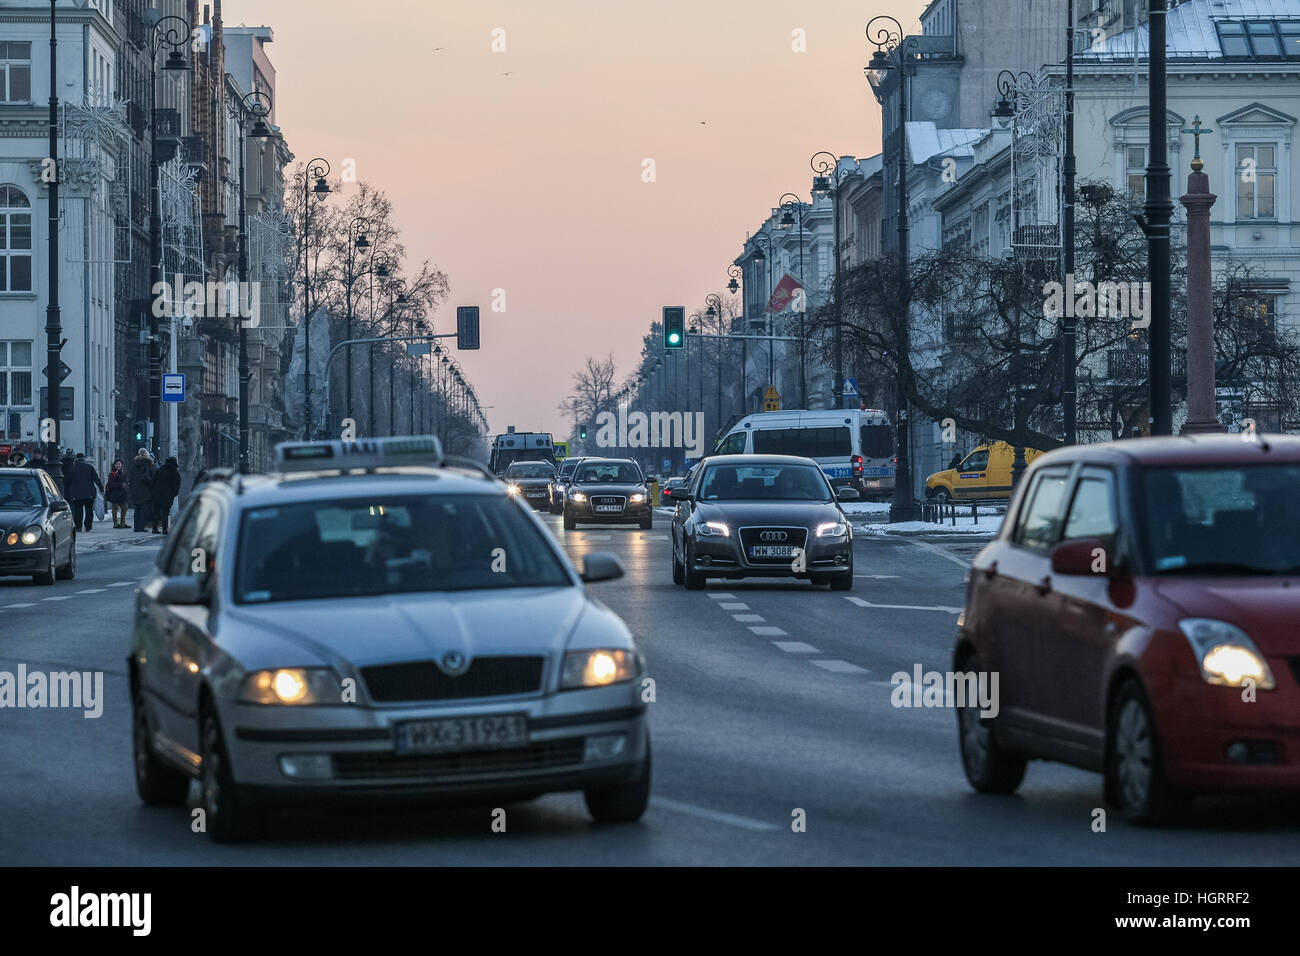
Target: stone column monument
[{"x": 1202, "y": 414}]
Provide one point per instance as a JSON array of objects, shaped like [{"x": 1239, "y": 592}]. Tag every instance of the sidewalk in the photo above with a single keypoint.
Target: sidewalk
[{"x": 107, "y": 538}]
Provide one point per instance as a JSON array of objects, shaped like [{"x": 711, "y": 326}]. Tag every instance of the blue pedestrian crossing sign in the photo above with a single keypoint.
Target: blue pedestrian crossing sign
[
  {"x": 851, "y": 386},
  {"x": 173, "y": 387}
]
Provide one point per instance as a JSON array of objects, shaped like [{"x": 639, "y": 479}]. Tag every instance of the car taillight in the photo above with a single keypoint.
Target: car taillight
[{"x": 857, "y": 464}]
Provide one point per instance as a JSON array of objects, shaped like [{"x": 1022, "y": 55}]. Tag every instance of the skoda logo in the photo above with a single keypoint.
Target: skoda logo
[
  {"x": 772, "y": 536},
  {"x": 455, "y": 663}
]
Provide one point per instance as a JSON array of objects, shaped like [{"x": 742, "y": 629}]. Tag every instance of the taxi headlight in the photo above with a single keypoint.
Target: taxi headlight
[
  {"x": 832, "y": 529},
  {"x": 637, "y": 498},
  {"x": 710, "y": 528},
  {"x": 292, "y": 685},
  {"x": 32, "y": 534},
  {"x": 577, "y": 496},
  {"x": 1226, "y": 653},
  {"x": 597, "y": 668}
]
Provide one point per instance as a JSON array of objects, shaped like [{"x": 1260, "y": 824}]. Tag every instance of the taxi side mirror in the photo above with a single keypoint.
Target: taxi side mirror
[
  {"x": 1083, "y": 556},
  {"x": 183, "y": 590},
  {"x": 601, "y": 566}
]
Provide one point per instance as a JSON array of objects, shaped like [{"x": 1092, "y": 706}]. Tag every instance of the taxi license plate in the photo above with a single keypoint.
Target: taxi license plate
[
  {"x": 609, "y": 507},
  {"x": 451, "y": 734},
  {"x": 773, "y": 551}
]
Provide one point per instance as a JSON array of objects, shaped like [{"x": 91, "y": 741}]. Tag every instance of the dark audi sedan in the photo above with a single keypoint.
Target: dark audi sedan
[
  {"x": 531, "y": 481},
  {"x": 36, "y": 532},
  {"x": 761, "y": 516},
  {"x": 607, "y": 491}
]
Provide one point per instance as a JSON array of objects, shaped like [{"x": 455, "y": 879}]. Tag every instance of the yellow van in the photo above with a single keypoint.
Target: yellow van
[{"x": 984, "y": 473}]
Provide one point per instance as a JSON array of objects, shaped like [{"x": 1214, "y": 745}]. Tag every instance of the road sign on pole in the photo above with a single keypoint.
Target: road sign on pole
[
  {"x": 771, "y": 399},
  {"x": 173, "y": 387}
]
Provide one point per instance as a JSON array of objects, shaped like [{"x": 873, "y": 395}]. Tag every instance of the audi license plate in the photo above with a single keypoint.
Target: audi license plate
[
  {"x": 773, "y": 551},
  {"x": 462, "y": 733},
  {"x": 609, "y": 507},
  {"x": 536, "y": 494}
]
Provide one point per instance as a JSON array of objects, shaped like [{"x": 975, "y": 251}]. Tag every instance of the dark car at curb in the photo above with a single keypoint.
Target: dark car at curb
[
  {"x": 530, "y": 481},
  {"x": 37, "y": 536},
  {"x": 747, "y": 516},
  {"x": 1139, "y": 608},
  {"x": 607, "y": 491}
]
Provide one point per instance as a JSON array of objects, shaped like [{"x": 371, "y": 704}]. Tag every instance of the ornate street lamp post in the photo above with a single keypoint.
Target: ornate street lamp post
[
  {"x": 317, "y": 169},
  {"x": 826, "y": 182},
  {"x": 790, "y": 201},
  {"x": 256, "y": 104}
]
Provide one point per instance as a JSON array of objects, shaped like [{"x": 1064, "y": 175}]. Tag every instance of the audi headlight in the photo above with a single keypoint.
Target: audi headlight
[
  {"x": 709, "y": 529},
  {"x": 512, "y": 489},
  {"x": 597, "y": 668},
  {"x": 292, "y": 685},
  {"x": 1226, "y": 653},
  {"x": 577, "y": 496},
  {"x": 637, "y": 498},
  {"x": 32, "y": 534},
  {"x": 832, "y": 529}
]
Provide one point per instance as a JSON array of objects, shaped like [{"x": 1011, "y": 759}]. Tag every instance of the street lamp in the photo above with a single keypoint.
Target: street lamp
[
  {"x": 761, "y": 258},
  {"x": 317, "y": 169},
  {"x": 53, "y": 320},
  {"x": 256, "y": 104},
  {"x": 790, "y": 201},
  {"x": 174, "y": 34},
  {"x": 826, "y": 182},
  {"x": 896, "y": 52},
  {"x": 361, "y": 242},
  {"x": 1159, "y": 210}
]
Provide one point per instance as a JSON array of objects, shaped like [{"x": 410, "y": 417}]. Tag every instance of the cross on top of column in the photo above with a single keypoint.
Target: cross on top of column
[{"x": 1196, "y": 130}]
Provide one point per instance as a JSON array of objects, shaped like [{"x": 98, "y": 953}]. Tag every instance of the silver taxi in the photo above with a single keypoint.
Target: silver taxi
[{"x": 372, "y": 621}]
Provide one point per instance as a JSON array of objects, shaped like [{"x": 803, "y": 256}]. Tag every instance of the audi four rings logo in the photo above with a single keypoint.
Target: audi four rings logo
[{"x": 772, "y": 536}]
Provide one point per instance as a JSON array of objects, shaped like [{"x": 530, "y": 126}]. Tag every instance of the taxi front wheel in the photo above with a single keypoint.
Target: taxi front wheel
[
  {"x": 623, "y": 802},
  {"x": 158, "y": 784},
  {"x": 229, "y": 820}
]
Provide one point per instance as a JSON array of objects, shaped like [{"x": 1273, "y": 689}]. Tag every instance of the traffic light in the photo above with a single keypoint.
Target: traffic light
[
  {"x": 582, "y": 432},
  {"x": 467, "y": 327},
  {"x": 139, "y": 431},
  {"x": 674, "y": 327}
]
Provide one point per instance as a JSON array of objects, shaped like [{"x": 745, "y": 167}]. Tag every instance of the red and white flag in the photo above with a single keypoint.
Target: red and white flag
[{"x": 783, "y": 293}]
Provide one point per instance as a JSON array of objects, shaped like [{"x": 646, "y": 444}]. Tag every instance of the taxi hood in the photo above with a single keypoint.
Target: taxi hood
[
  {"x": 1266, "y": 608},
  {"x": 417, "y": 627}
]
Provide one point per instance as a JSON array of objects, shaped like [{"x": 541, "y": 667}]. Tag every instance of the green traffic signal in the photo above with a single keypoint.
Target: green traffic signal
[{"x": 674, "y": 326}]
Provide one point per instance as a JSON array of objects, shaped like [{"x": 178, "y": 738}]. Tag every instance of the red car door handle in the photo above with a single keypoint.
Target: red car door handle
[{"x": 1044, "y": 585}]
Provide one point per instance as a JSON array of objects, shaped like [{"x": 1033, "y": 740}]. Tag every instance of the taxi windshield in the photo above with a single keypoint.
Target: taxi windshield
[
  {"x": 764, "y": 483},
  {"x": 530, "y": 470},
  {"x": 609, "y": 472},
  {"x": 19, "y": 494},
  {"x": 1235, "y": 520},
  {"x": 359, "y": 547}
]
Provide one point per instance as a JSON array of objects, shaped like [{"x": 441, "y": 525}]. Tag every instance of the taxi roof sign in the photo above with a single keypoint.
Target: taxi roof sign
[{"x": 368, "y": 453}]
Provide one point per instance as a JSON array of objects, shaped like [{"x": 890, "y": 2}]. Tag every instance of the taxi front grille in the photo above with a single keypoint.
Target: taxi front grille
[
  {"x": 424, "y": 680},
  {"x": 546, "y": 755}
]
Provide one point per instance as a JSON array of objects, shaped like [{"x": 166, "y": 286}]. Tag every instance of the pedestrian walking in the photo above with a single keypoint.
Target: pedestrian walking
[
  {"x": 139, "y": 479},
  {"x": 82, "y": 484},
  {"x": 166, "y": 486},
  {"x": 115, "y": 492}
]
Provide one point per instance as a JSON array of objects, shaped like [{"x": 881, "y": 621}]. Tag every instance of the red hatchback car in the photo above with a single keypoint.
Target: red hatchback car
[{"x": 1141, "y": 607}]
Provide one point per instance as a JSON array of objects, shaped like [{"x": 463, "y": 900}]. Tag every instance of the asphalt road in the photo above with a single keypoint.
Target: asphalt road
[{"x": 771, "y": 699}]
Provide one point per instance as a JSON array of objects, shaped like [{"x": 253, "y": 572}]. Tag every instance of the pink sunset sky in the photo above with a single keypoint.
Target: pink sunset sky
[{"x": 531, "y": 182}]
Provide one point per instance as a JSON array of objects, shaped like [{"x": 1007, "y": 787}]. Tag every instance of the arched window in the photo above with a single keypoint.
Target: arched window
[{"x": 15, "y": 240}]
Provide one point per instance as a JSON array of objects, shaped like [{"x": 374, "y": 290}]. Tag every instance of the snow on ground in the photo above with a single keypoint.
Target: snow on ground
[{"x": 987, "y": 526}]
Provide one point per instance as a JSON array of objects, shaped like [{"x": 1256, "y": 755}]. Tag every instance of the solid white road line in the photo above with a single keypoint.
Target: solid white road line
[
  {"x": 840, "y": 667},
  {"x": 748, "y": 618},
  {"x": 8, "y": 606},
  {"x": 769, "y": 632},
  {"x": 796, "y": 647},
  {"x": 904, "y": 607},
  {"x": 745, "y": 823}
]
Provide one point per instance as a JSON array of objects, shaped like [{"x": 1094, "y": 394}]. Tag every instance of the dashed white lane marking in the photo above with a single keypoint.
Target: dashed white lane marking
[
  {"x": 769, "y": 632},
  {"x": 941, "y": 552},
  {"x": 796, "y": 647},
  {"x": 594, "y": 537},
  {"x": 120, "y": 584},
  {"x": 904, "y": 607},
  {"x": 878, "y": 577},
  {"x": 840, "y": 667},
  {"x": 734, "y": 606},
  {"x": 93, "y": 591},
  {"x": 748, "y": 618},
  {"x": 652, "y": 537},
  {"x": 745, "y": 823},
  {"x": 8, "y": 606},
  {"x": 721, "y": 596},
  {"x": 65, "y": 597}
]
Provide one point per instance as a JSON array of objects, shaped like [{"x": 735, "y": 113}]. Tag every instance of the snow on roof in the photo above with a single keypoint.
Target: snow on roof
[
  {"x": 925, "y": 140},
  {"x": 1190, "y": 32}
]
